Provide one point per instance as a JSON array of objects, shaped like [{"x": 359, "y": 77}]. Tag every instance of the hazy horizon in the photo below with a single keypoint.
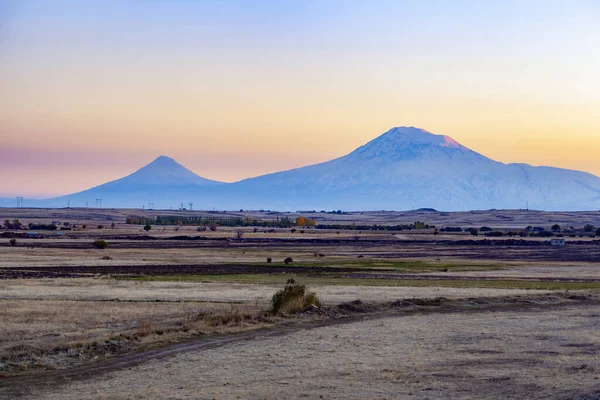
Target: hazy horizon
[{"x": 93, "y": 91}]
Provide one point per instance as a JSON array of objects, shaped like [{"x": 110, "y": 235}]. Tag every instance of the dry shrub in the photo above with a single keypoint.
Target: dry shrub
[
  {"x": 144, "y": 328},
  {"x": 292, "y": 298},
  {"x": 232, "y": 318},
  {"x": 100, "y": 244}
]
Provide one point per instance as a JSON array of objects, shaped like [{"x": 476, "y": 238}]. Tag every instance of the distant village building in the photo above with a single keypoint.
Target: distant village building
[{"x": 557, "y": 242}]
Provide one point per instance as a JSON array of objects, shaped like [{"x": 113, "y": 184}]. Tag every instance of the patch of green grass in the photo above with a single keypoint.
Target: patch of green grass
[
  {"x": 409, "y": 266},
  {"x": 332, "y": 280}
]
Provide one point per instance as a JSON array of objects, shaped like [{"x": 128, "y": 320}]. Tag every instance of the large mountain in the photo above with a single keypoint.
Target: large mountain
[
  {"x": 404, "y": 168},
  {"x": 408, "y": 167}
]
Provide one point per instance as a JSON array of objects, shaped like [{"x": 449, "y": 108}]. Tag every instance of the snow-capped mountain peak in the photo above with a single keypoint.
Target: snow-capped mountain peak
[
  {"x": 418, "y": 136},
  {"x": 411, "y": 143},
  {"x": 164, "y": 171}
]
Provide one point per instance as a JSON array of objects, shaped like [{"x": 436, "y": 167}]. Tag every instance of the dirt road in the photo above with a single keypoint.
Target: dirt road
[{"x": 519, "y": 347}]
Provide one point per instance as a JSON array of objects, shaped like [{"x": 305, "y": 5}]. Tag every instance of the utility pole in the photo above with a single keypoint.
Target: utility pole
[
  {"x": 191, "y": 204},
  {"x": 19, "y": 202}
]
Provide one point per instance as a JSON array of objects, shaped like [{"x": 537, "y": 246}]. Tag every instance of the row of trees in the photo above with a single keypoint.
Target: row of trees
[
  {"x": 15, "y": 224},
  {"x": 375, "y": 227},
  {"x": 284, "y": 222}
]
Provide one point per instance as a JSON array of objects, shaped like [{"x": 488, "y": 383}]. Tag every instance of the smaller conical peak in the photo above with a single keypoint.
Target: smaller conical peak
[
  {"x": 413, "y": 135},
  {"x": 165, "y": 170},
  {"x": 164, "y": 160}
]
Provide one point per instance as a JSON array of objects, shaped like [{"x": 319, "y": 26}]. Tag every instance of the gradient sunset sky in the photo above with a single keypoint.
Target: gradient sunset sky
[{"x": 92, "y": 90}]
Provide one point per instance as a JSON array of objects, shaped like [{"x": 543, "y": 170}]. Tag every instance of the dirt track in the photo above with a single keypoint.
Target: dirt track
[{"x": 35, "y": 387}]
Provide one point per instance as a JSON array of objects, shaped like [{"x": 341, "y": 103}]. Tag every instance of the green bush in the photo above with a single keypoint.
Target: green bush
[
  {"x": 292, "y": 298},
  {"x": 100, "y": 244}
]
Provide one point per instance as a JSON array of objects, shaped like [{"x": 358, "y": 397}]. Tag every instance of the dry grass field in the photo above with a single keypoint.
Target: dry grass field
[{"x": 440, "y": 315}]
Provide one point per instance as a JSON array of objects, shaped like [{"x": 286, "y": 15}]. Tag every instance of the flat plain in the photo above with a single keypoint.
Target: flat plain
[{"x": 175, "y": 312}]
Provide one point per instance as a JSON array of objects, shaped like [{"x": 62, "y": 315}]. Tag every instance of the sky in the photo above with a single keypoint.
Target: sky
[{"x": 90, "y": 91}]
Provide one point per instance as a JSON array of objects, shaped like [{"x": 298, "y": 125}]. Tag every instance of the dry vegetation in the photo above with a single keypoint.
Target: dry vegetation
[
  {"x": 51, "y": 334},
  {"x": 65, "y": 303}
]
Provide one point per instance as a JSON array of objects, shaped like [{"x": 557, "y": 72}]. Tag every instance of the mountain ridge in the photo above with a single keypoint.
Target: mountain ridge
[{"x": 403, "y": 168}]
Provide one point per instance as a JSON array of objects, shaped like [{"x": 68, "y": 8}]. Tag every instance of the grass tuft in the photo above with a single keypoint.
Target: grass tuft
[{"x": 292, "y": 298}]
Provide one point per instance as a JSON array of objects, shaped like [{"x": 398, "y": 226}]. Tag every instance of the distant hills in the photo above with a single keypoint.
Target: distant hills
[{"x": 404, "y": 168}]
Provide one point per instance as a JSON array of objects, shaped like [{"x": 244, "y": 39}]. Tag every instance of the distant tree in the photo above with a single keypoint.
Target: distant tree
[
  {"x": 13, "y": 242},
  {"x": 545, "y": 234},
  {"x": 587, "y": 228},
  {"x": 7, "y": 224},
  {"x": 147, "y": 227},
  {"x": 293, "y": 230},
  {"x": 436, "y": 232},
  {"x": 16, "y": 224},
  {"x": 555, "y": 228},
  {"x": 288, "y": 260},
  {"x": 112, "y": 225},
  {"x": 473, "y": 231},
  {"x": 300, "y": 221},
  {"x": 212, "y": 227},
  {"x": 494, "y": 234},
  {"x": 100, "y": 244},
  {"x": 239, "y": 234},
  {"x": 485, "y": 229},
  {"x": 419, "y": 225},
  {"x": 598, "y": 232},
  {"x": 100, "y": 226},
  {"x": 269, "y": 259}
]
